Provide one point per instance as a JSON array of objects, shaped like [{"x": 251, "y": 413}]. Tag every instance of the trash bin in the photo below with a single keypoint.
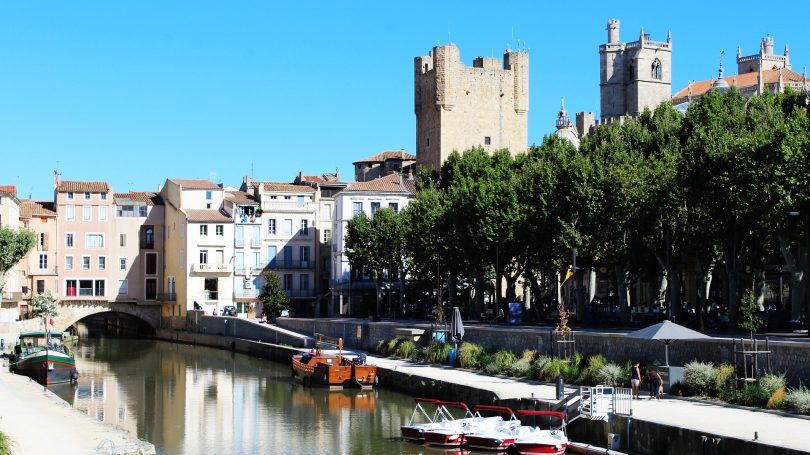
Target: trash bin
[
  {"x": 614, "y": 441},
  {"x": 452, "y": 357}
]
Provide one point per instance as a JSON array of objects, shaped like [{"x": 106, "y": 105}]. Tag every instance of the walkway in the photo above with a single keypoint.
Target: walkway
[
  {"x": 725, "y": 421},
  {"x": 37, "y": 422}
]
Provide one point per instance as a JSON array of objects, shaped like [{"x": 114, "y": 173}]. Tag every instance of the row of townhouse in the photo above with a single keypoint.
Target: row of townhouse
[{"x": 194, "y": 244}]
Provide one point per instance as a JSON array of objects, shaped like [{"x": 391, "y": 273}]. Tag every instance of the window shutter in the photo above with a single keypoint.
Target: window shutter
[{"x": 45, "y": 241}]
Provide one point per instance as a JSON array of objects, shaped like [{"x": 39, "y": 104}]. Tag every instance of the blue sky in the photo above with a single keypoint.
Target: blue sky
[{"x": 133, "y": 92}]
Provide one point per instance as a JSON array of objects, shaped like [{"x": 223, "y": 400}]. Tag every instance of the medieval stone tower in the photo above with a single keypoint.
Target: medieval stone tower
[
  {"x": 459, "y": 107},
  {"x": 635, "y": 75}
]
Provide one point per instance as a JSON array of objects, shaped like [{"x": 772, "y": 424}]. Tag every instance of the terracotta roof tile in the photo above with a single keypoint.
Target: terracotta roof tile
[
  {"x": 29, "y": 209},
  {"x": 148, "y": 197},
  {"x": 392, "y": 183},
  {"x": 240, "y": 197},
  {"x": 207, "y": 216},
  {"x": 81, "y": 186},
  {"x": 740, "y": 81},
  {"x": 196, "y": 184},
  {"x": 387, "y": 155},
  {"x": 286, "y": 187},
  {"x": 9, "y": 189}
]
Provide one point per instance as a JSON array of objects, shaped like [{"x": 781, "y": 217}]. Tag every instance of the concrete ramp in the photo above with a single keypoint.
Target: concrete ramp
[{"x": 252, "y": 330}]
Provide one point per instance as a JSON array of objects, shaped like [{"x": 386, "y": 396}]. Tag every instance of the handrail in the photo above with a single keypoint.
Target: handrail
[
  {"x": 529, "y": 412},
  {"x": 500, "y": 409},
  {"x": 455, "y": 404}
]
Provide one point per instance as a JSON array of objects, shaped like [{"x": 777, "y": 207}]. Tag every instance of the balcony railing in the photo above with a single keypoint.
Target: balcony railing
[
  {"x": 257, "y": 269},
  {"x": 255, "y": 243},
  {"x": 239, "y": 243},
  {"x": 246, "y": 293},
  {"x": 167, "y": 296},
  {"x": 279, "y": 264},
  {"x": 211, "y": 268},
  {"x": 211, "y": 296},
  {"x": 293, "y": 293},
  {"x": 147, "y": 245}
]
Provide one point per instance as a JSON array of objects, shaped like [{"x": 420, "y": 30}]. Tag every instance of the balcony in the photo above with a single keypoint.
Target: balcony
[
  {"x": 255, "y": 243},
  {"x": 294, "y": 265},
  {"x": 147, "y": 245},
  {"x": 167, "y": 297},
  {"x": 12, "y": 296},
  {"x": 246, "y": 293},
  {"x": 257, "y": 269},
  {"x": 240, "y": 271},
  {"x": 211, "y": 269},
  {"x": 210, "y": 296},
  {"x": 299, "y": 293},
  {"x": 239, "y": 243}
]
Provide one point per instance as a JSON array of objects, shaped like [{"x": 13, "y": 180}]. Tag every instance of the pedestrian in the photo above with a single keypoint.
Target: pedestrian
[
  {"x": 635, "y": 379},
  {"x": 655, "y": 384}
]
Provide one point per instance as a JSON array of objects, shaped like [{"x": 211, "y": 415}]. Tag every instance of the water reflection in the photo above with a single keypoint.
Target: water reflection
[{"x": 193, "y": 400}]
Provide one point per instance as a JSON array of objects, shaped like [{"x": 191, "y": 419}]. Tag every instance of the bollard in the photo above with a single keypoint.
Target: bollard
[{"x": 560, "y": 388}]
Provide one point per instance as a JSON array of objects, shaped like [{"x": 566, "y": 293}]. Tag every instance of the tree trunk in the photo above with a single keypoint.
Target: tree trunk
[
  {"x": 663, "y": 283},
  {"x": 676, "y": 307},
  {"x": 378, "y": 289},
  {"x": 759, "y": 287},
  {"x": 622, "y": 292},
  {"x": 580, "y": 295},
  {"x": 733, "y": 282},
  {"x": 480, "y": 289}
]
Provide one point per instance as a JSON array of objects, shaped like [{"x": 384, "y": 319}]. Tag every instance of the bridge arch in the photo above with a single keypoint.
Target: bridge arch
[{"x": 72, "y": 312}]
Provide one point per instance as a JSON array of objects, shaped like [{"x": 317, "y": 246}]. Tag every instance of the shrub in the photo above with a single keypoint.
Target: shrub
[
  {"x": 5, "y": 444},
  {"x": 391, "y": 347},
  {"x": 699, "y": 376},
  {"x": 723, "y": 373},
  {"x": 538, "y": 364},
  {"x": 406, "y": 349},
  {"x": 752, "y": 395},
  {"x": 505, "y": 359},
  {"x": 610, "y": 374},
  {"x": 777, "y": 399},
  {"x": 679, "y": 389},
  {"x": 589, "y": 374},
  {"x": 493, "y": 368},
  {"x": 529, "y": 355},
  {"x": 798, "y": 400},
  {"x": 770, "y": 383},
  {"x": 521, "y": 368},
  {"x": 554, "y": 368},
  {"x": 437, "y": 352},
  {"x": 381, "y": 347},
  {"x": 469, "y": 355}
]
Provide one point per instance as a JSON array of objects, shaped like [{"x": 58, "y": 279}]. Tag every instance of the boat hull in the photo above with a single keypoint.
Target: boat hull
[
  {"x": 530, "y": 448},
  {"x": 492, "y": 444},
  {"x": 46, "y": 368},
  {"x": 333, "y": 375},
  {"x": 444, "y": 438}
]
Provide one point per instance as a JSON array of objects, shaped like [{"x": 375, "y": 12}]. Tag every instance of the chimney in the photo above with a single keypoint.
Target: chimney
[
  {"x": 300, "y": 177},
  {"x": 337, "y": 174},
  {"x": 57, "y": 179}
]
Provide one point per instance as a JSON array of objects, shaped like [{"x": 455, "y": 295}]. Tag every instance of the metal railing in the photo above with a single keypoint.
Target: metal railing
[
  {"x": 597, "y": 402},
  {"x": 281, "y": 264},
  {"x": 246, "y": 293},
  {"x": 220, "y": 268},
  {"x": 211, "y": 296},
  {"x": 239, "y": 243},
  {"x": 300, "y": 292},
  {"x": 167, "y": 296},
  {"x": 255, "y": 243}
]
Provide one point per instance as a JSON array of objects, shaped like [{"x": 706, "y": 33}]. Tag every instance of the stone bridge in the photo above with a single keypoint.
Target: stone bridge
[{"x": 71, "y": 312}]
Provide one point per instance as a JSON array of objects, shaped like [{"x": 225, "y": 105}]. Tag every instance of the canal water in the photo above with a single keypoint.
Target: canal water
[{"x": 193, "y": 400}]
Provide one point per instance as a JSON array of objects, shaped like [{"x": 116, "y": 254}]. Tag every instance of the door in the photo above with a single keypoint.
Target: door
[
  {"x": 287, "y": 256},
  {"x": 151, "y": 289}
]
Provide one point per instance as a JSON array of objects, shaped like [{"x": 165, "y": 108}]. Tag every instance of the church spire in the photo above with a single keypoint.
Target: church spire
[{"x": 562, "y": 117}]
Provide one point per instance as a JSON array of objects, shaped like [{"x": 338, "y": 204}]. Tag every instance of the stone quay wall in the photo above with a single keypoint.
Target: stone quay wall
[{"x": 789, "y": 357}]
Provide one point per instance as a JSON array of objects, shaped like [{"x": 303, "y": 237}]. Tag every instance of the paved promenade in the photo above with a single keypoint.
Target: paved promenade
[
  {"x": 724, "y": 421},
  {"x": 38, "y": 423}
]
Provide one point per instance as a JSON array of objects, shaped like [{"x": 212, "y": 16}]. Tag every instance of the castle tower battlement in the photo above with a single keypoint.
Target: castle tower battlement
[
  {"x": 635, "y": 75},
  {"x": 764, "y": 59},
  {"x": 458, "y": 107}
]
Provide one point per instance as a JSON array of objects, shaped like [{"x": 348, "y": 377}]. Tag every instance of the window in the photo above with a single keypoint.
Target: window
[
  {"x": 150, "y": 293},
  {"x": 375, "y": 207},
  {"x": 123, "y": 287},
  {"x": 103, "y": 196},
  {"x": 303, "y": 282},
  {"x": 69, "y": 212},
  {"x": 656, "y": 70},
  {"x": 100, "y": 285},
  {"x": 142, "y": 209},
  {"x": 102, "y": 262},
  {"x": 87, "y": 212},
  {"x": 288, "y": 280},
  {"x": 86, "y": 195},
  {"x": 40, "y": 286},
  {"x": 122, "y": 264},
  {"x": 357, "y": 208},
  {"x": 288, "y": 227},
  {"x": 271, "y": 255},
  {"x": 85, "y": 262},
  {"x": 94, "y": 241},
  {"x": 43, "y": 261},
  {"x": 70, "y": 288},
  {"x": 393, "y": 206},
  {"x": 148, "y": 237},
  {"x": 203, "y": 229},
  {"x": 327, "y": 235},
  {"x": 240, "y": 261},
  {"x": 271, "y": 227},
  {"x": 151, "y": 263},
  {"x": 326, "y": 212},
  {"x": 487, "y": 140},
  {"x": 220, "y": 257},
  {"x": 70, "y": 195},
  {"x": 131, "y": 211},
  {"x": 122, "y": 240},
  {"x": 287, "y": 198},
  {"x": 428, "y": 142},
  {"x": 220, "y": 230},
  {"x": 303, "y": 251},
  {"x": 68, "y": 262},
  {"x": 209, "y": 195},
  {"x": 85, "y": 287},
  {"x": 273, "y": 197},
  {"x": 102, "y": 213},
  {"x": 203, "y": 256},
  {"x": 304, "y": 227},
  {"x": 69, "y": 240},
  {"x": 301, "y": 200},
  {"x": 41, "y": 242},
  {"x": 257, "y": 259}
]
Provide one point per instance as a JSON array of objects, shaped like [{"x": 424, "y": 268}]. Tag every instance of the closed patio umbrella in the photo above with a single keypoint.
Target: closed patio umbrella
[
  {"x": 456, "y": 326},
  {"x": 667, "y": 331}
]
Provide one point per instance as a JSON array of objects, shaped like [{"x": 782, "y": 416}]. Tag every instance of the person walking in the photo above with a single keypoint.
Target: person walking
[
  {"x": 655, "y": 384},
  {"x": 635, "y": 379}
]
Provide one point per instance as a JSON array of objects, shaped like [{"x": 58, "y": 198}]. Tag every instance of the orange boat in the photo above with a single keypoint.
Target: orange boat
[{"x": 333, "y": 368}]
